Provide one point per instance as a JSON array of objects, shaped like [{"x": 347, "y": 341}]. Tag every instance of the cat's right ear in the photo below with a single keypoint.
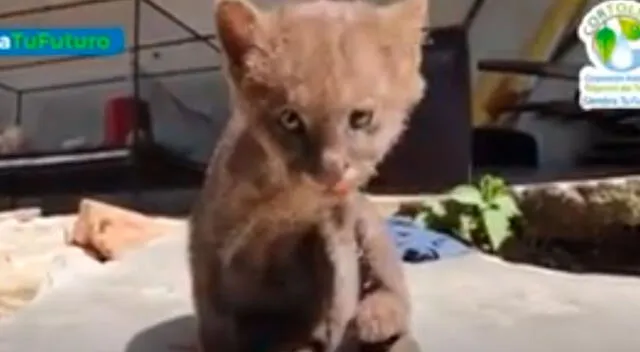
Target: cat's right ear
[
  {"x": 236, "y": 22},
  {"x": 406, "y": 19}
]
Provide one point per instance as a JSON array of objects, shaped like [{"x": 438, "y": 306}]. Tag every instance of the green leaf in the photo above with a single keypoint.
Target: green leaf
[
  {"x": 605, "y": 42},
  {"x": 630, "y": 28},
  {"x": 492, "y": 186},
  {"x": 467, "y": 225},
  {"x": 435, "y": 206},
  {"x": 433, "y": 211},
  {"x": 467, "y": 194},
  {"x": 425, "y": 219},
  {"x": 507, "y": 205},
  {"x": 497, "y": 226}
]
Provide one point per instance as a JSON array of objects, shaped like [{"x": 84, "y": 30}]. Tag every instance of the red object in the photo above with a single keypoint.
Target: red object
[{"x": 119, "y": 120}]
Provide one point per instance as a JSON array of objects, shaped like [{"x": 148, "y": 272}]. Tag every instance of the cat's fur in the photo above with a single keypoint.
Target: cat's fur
[{"x": 320, "y": 93}]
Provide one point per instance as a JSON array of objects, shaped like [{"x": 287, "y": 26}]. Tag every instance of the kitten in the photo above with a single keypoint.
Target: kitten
[{"x": 320, "y": 93}]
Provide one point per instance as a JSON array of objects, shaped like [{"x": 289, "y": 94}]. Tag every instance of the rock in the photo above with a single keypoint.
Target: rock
[
  {"x": 106, "y": 231},
  {"x": 583, "y": 210}
]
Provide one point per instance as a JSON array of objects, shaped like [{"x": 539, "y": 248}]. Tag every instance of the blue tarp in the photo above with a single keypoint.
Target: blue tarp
[{"x": 416, "y": 244}]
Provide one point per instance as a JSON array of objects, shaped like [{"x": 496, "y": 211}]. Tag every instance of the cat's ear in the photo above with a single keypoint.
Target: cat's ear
[
  {"x": 236, "y": 21},
  {"x": 408, "y": 17}
]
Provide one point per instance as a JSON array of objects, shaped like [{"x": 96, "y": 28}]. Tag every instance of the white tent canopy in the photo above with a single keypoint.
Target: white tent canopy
[
  {"x": 155, "y": 27},
  {"x": 499, "y": 31}
]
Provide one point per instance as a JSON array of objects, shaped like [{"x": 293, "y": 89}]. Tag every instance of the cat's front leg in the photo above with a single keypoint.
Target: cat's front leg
[
  {"x": 402, "y": 343},
  {"x": 384, "y": 312},
  {"x": 382, "y": 315}
]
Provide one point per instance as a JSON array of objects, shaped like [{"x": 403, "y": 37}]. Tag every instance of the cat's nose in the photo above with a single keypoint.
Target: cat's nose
[{"x": 334, "y": 167}]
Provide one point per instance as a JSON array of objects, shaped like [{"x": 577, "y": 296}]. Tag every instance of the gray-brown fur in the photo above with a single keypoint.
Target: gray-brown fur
[{"x": 320, "y": 90}]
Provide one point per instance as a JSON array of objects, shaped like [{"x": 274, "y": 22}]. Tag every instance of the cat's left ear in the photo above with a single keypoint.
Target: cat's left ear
[{"x": 408, "y": 17}]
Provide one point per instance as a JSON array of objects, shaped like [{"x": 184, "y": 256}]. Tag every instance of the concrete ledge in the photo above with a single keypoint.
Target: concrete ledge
[{"x": 471, "y": 303}]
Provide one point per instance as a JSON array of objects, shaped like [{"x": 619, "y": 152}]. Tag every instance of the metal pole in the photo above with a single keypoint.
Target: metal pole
[
  {"x": 135, "y": 68},
  {"x": 473, "y": 13},
  {"x": 51, "y": 8},
  {"x": 171, "y": 17},
  {"x": 120, "y": 78},
  {"x": 8, "y": 88}
]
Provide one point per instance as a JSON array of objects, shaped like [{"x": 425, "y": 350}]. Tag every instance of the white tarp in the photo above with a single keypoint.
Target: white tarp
[{"x": 501, "y": 29}]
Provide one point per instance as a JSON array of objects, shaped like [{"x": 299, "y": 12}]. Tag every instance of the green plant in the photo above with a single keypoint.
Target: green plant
[{"x": 480, "y": 214}]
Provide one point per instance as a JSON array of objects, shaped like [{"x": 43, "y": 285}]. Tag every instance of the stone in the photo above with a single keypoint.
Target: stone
[{"x": 106, "y": 231}]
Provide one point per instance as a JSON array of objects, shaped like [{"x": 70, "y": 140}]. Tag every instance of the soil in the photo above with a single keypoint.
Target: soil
[{"x": 617, "y": 253}]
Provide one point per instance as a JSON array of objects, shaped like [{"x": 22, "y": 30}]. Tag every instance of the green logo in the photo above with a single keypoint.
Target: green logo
[{"x": 611, "y": 33}]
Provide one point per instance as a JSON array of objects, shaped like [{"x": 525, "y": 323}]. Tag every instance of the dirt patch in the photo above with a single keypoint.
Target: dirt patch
[{"x": 615, "y": 254}]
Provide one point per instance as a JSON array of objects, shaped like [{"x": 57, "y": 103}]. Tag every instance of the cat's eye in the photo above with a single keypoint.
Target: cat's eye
[
  {"x": 290, "y": 120},
  {"x": 359, "y": 119}
]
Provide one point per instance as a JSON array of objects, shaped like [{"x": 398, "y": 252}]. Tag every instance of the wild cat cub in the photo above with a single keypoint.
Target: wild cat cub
[{"x": 320, "y": 93}]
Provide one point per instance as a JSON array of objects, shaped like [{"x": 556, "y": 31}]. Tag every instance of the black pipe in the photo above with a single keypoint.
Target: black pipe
[
  {"x": 51, "y": 8},
  {"x": 473, "y": 13},
  {"x": 66, "y": 59},
  {"x": 171, "y": 17},
  {"x": 121, "y": 78},
  {"x": 18, "y": 107}
]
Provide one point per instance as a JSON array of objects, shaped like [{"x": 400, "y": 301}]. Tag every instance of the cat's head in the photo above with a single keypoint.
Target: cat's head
[{"x": 327, "y": 84}]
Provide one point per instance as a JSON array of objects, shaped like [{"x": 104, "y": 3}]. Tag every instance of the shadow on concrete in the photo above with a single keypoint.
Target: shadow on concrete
[{"x": 175, "y": 335}]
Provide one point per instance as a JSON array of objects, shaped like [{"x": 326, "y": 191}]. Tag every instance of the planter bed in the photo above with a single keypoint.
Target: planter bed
[{"x": 580, "y": 225}]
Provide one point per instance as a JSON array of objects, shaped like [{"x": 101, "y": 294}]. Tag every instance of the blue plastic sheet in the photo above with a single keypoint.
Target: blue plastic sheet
[{"x": 416, "y": 244}]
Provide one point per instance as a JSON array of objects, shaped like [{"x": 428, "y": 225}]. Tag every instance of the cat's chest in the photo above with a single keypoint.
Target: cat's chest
[
  {"x": 317, "y": 246},
  {"x": 298, "y": 255}
]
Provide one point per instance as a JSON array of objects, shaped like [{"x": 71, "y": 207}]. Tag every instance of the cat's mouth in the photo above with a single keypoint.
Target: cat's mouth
[{"x": 341, "y": 184}]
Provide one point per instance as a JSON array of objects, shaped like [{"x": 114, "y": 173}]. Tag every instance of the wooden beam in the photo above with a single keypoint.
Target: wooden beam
[{"x": 492, "y": 86}]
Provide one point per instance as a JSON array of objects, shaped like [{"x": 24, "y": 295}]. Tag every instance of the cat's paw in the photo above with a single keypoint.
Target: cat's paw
[{"x": 381, "y": 316}]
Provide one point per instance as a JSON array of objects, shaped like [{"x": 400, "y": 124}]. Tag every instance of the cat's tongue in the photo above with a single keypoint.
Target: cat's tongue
[{"x": 345, "y": 184}]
